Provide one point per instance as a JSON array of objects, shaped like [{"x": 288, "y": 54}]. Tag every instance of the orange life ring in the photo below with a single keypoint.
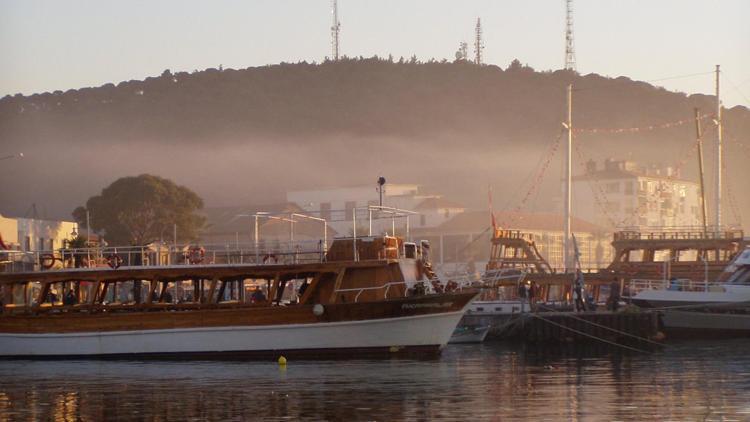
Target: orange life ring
[
  {"x": 114, "y": 261},
  {"x": 47, "y": 261},
  {"x": 269, "y": 257},
  {"x": 196, "y": 255}
]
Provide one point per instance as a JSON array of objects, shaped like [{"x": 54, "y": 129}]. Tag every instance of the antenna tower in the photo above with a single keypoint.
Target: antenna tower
[
  {"x": 570, "y": 54},
  {"x": 335, "y": 28},
  {"x": 478, "y": 44}
]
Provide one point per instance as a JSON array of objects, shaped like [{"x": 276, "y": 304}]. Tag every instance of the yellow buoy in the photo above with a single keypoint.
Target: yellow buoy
[{"x": 282, "y": 361}]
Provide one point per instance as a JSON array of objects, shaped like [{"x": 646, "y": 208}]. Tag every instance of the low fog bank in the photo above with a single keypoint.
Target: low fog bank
[{"x": 260, "y": 170}]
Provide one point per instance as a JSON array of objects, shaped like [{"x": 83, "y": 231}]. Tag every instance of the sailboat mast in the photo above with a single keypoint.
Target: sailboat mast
[
  {"x": 698, "y": 137},
  {"x": 717, "y": 193},
  {"x": 568, "y": 182}
]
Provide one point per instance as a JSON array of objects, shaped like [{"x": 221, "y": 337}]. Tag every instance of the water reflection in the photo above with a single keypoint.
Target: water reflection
[{"x": 491, "y": 381}]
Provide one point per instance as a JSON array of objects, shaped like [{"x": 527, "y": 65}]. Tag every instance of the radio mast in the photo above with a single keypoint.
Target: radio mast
[
  {"x": 478, "y": 44},
  {"x": 570, "y": 55}
]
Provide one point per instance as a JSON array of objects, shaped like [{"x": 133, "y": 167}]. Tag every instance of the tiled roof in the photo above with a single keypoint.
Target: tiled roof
[
  {"x": 231, "y": 220},
  {"x": 476, "y": 221}
]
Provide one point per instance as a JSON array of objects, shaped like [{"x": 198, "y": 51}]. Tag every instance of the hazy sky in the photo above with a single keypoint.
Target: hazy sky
[{"x": 51, "y": 45}]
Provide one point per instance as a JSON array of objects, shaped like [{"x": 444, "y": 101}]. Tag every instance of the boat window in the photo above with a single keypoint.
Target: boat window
[
  {"x": 741, "y": 276},
  {"x": 661, "y": 255},
  {"x": 687, "y": 255},
  {"x": 480, "y": 309},
  {"x": 635, "y": 255}
]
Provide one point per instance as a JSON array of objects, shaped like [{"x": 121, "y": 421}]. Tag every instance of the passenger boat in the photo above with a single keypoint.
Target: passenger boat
[
  {"x": 489, "y": 314},
  {"x": 720, "y": 308},
  {"x": 368, "y": 296}
]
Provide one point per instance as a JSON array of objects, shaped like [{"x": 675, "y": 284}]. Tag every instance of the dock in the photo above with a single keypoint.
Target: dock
[{"x": 630, "y": 329}]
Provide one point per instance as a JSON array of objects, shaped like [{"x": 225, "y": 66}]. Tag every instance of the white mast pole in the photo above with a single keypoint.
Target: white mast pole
[
  {"x": 568, "y": 181},
  {"x": 717, "y": 193}
]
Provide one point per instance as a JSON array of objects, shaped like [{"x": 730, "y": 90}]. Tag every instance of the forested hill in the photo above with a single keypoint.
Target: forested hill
[
  {"x": 246, "y": 136},
  {"x": 355, "y": 96}
]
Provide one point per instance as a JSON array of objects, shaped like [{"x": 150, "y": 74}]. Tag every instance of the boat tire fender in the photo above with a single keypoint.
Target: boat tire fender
[
  {"x": 196, "y": 254},
  {"x": 270, "y": 257},
  {"x": 47, "y": 261}
]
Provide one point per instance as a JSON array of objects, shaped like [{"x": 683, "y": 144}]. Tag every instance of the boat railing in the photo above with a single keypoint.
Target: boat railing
[
  {"x": 679, "y": 233},
  {"x": 449, "y": 284},
  {"x": 298, "y": 252},
  {"x": 638, "y": 285},
  {"x": 385, "y": 286}
]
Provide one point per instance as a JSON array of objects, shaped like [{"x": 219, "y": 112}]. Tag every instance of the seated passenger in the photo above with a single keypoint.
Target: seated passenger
[
  {"x": 258, "y": 295},
  {"x": 51, "y": 297},
  {"x": 70, "y": 298},
  {"x": 673, "y": 285}
]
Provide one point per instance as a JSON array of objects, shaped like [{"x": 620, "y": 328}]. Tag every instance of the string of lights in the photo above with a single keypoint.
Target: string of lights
[
  {"x": 648, "y": 128},
  {"x": 600, "y": 196},
  {"x": 535, "y": 183}
]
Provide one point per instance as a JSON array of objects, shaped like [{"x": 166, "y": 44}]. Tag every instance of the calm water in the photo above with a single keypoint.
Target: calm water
[{"x": 685, "y": 381}]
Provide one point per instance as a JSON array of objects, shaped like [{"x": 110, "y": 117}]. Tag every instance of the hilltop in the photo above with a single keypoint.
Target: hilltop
[{"x": 250, "y": 133}]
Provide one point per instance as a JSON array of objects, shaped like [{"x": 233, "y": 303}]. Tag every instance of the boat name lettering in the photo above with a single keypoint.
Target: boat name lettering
[{"x": 426, "y": 305}]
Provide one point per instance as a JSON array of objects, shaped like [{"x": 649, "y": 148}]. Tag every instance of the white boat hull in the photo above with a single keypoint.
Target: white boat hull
[
  {"x": 691, "y": 323},
  {"x": 391, "y": 334}
]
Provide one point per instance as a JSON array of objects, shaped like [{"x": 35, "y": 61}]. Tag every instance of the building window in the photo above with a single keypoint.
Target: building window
[
  {"x": 52, "y": 244},
  {"x": 447, "y": 213},
  {"x": 40, "y": 245},
  {"x": 28, "y": 243},
  {"x": 422, "y": 220}
]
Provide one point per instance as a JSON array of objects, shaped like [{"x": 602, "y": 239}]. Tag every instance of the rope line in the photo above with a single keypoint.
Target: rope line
[
  {"x": 600, "y": 202},
  {"x": 609, "y": 328},
  {"x": 590, "y": 335},
  {"x": 536, "y": 183}
]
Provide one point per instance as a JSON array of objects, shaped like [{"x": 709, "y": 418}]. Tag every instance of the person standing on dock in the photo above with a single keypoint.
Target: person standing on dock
[{"x": 614, "y": 295}]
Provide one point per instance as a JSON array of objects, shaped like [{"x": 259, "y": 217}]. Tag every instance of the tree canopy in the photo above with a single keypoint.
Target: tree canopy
[{"x": 139, "y": 210}]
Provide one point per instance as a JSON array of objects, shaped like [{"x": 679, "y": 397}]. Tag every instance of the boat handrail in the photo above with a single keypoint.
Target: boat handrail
[
  {"x": 302, "y": 251},
  {"x": 387, "y": 286},
  {"x": 637, "y": 285}
]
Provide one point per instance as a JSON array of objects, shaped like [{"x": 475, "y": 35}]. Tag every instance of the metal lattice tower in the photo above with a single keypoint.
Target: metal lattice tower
[
  {"x": 335, "y": 28},
  {"x": 478, "y": 44},
  {"x": 570, "y": 54}
]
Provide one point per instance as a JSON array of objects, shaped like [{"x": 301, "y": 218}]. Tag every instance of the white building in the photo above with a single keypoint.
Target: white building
[
  {"x": 29, "y": 234},
  {"x": 624, "y": 194},
  {"x": 337, "y": 204}
]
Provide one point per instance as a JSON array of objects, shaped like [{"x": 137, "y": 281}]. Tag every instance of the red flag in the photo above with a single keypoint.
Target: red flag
[{"x": 492, "y": 214}]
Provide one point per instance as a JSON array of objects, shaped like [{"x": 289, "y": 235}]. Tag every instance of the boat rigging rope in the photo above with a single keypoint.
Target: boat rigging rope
[
  {"x": 603, "y": 201},
  {"x": 647, "y": 340},
  {"x": 536, "y": 182},
  {"x": 648, "y": 128},
  {"x": 637, "y": 211},
  {"x": 590, "y": 335}
]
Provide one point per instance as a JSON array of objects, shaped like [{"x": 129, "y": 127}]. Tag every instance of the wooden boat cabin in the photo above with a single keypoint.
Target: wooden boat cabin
[{"x": 377, "y": 268}]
